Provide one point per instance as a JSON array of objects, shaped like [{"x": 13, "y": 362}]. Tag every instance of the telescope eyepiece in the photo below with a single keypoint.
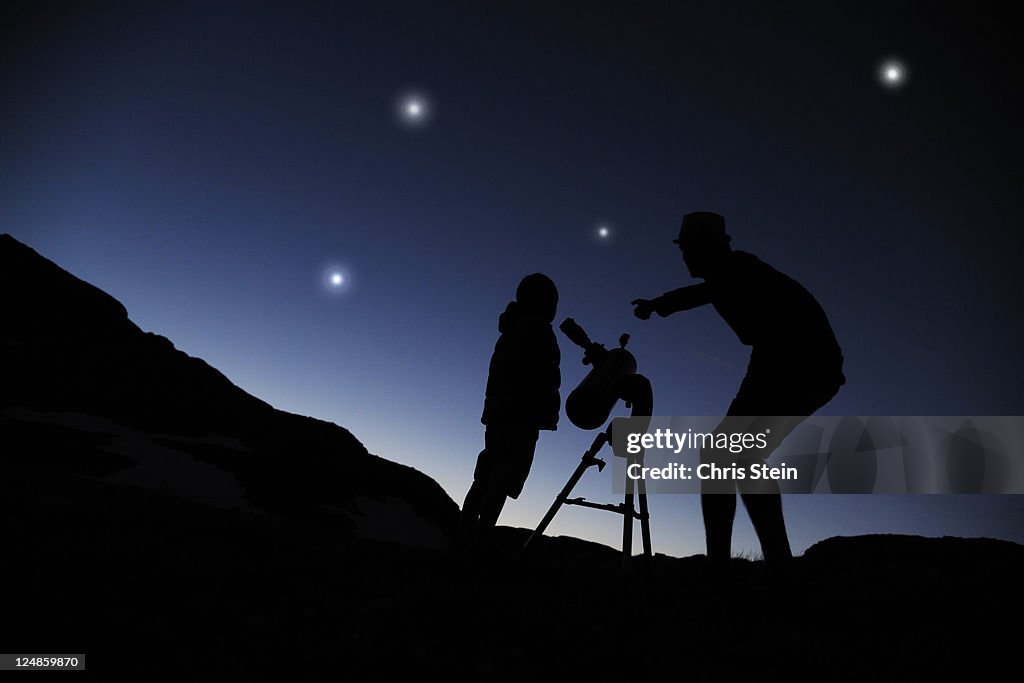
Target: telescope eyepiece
[{"x": 576, "y": 334}]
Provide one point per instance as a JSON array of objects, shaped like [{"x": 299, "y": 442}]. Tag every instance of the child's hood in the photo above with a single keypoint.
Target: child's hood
[{"x": 516, "y": 315}]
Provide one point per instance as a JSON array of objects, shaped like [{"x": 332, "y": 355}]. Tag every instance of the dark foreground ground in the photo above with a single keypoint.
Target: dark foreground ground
[{"x": 160, "y": 589}]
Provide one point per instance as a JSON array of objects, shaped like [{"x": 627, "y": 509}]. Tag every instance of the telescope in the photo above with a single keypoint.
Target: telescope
[
  {"x": 612, "y": 378},
  {"x": 592, "y": 401}
]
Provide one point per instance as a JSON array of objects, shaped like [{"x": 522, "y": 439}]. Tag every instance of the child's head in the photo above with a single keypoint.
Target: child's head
[{"x": 538, "y": 296}]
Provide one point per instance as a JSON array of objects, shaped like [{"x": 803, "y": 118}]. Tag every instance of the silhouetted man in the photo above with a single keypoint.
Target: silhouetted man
[
  {"x": 795, "y": 368},
  {"x": 522, "y": 398}
]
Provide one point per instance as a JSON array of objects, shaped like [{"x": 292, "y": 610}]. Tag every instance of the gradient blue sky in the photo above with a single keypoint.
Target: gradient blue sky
[{"x": 205, "y": 163}]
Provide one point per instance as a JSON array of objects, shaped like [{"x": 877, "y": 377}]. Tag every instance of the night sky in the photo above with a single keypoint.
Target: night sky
[{"x": 209, "y": 164}]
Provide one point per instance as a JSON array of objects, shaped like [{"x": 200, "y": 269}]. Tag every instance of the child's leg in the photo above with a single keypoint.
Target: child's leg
[
  {"x": 474, "y": 503},
  {"x": 470, "y": 514},
  {"x": 491, "y": 504}
]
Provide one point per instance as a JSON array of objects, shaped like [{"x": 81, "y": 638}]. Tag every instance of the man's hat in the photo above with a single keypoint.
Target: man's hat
[{"x": 702, "y": 227}]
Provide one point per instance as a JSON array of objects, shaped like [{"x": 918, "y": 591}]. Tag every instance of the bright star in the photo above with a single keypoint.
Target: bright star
[
  {"x": 335, "y": 279},
  {"x": 414, "y": 109},
  {"x": 892, "y": 73}
]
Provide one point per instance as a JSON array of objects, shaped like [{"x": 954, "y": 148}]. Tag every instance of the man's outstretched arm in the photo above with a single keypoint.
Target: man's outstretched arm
[{"x": 682, "y": 299}]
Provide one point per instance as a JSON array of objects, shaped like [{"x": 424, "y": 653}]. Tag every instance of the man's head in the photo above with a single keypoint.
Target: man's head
[
  {"x": 703, "y": 241},
  {"x": 538, "y": 296}
]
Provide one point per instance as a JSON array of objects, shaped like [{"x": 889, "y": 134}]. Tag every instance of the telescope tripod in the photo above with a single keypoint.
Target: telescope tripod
[{"x": 636, "y": 391}]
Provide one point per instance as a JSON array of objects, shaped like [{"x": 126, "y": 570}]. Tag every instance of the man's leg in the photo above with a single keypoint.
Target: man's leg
[
  {"x": 719, "y": 509},
  {"x": 765, "y": 510},
  {"x": 778, "y": 400},
  {"x": 718, "y": 500},
  {"x": 762, "y": 498}
]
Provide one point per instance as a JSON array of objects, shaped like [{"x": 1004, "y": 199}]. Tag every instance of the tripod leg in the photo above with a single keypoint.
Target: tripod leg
[
  {"x": 627, "y": 519},
  {"x": 587, "y": 461},
  {"x": 559, "y": 500},
  {"x": 635, "y": 390},
  {"x": 645, "y": 518}
]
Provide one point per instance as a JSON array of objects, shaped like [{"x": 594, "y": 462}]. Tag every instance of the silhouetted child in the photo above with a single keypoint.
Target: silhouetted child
[{"x": 522, "y": 398}]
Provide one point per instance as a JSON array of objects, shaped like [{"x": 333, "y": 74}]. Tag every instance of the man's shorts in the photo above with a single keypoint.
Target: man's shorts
[{"x": 769, "y": 405}]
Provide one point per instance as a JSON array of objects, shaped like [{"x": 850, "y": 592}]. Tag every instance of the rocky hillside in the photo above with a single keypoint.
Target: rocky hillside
[{"x": 86, "y": 391}]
